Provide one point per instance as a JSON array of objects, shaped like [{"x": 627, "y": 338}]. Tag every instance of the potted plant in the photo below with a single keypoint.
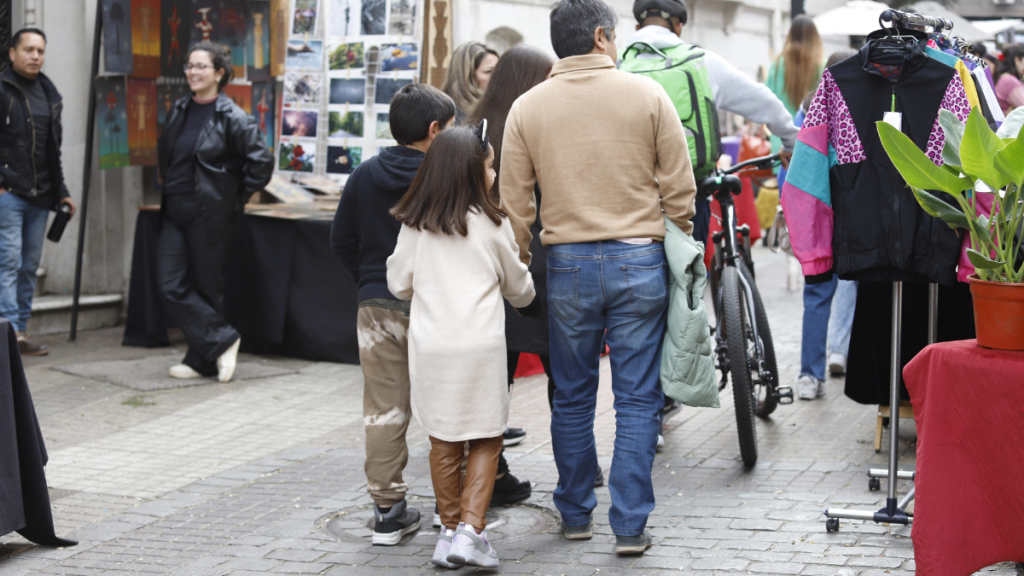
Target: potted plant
[{"x": 983, "y": 172}]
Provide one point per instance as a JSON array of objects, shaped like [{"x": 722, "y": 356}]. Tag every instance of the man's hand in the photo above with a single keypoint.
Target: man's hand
[
  {"x": 785, "y": 156},
  {"x": 71, "y": 203}
]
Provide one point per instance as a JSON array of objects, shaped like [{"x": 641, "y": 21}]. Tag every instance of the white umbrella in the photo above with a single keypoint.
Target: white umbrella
[
  {"x": 855, "y": 18},
  {"x": 994, "y": 27},
  {"x": 962, "y": 27}
]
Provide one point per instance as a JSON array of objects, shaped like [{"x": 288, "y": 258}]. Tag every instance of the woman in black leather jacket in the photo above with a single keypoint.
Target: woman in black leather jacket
[{"x": 211, "y": 159}]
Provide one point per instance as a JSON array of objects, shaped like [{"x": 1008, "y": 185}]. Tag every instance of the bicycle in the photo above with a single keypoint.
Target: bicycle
[{"x": 743, "y": 341}]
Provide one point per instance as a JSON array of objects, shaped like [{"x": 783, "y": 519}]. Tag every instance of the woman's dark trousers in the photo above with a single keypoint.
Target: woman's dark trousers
[{"x": 190, "y": 267}]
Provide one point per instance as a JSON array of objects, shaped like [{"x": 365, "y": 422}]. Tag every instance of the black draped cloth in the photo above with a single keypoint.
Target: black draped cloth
[
  {"x": 284, "y": 290},
  {"x": 24, "y": 499},
  {"x": 869, "y": 358}
]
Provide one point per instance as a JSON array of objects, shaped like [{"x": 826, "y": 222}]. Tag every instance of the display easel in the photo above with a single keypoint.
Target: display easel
[{"x": 894, "y": 511}]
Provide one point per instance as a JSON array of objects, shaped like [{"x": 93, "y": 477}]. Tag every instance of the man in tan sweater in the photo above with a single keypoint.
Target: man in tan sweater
[{"x": 609, "y": 154}]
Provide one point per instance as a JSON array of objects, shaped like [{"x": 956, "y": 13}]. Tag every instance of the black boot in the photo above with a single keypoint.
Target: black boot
[{"x": 508, "y": 490}]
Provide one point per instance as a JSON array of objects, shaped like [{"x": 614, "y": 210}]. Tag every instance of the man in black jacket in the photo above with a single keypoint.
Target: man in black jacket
[{"x": 31, "y": 177}]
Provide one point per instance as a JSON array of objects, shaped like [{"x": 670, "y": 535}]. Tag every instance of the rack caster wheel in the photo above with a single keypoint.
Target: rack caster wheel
[
  {"x": 874, "y": 484},
  {"x": 832, "y": 525}
]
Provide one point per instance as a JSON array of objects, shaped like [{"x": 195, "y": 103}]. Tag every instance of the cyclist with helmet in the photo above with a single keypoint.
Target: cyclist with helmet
[{"x": 693, "y": 75}]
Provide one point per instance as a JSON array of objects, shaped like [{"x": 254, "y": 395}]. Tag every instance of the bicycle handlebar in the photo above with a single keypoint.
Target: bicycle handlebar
[
  {"x": 761, "y": 163},
  {"x": 728, "y": 180}
]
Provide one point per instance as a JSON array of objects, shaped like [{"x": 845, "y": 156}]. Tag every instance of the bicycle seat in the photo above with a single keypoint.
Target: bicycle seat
[{"x": 706, "y": 187}]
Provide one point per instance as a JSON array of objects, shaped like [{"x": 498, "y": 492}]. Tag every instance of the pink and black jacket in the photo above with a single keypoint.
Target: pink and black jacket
[{"x": 848, "y": 210}]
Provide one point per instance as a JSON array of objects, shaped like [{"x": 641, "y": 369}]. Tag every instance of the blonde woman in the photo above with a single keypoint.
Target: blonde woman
[
  {"x": 798, "y": 69},
  {"x": 468, "y": 74}
]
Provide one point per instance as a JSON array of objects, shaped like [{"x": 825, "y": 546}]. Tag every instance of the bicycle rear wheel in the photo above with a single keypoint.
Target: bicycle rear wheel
[
  {"x": 764, "y": 390},
  {"x": 736, "y": 322}
]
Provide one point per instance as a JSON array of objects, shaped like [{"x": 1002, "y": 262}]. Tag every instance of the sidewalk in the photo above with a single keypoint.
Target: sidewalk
[{"x": 265, "y": 475}]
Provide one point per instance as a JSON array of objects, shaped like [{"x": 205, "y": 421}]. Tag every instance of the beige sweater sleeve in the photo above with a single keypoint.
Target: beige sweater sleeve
[
  {"x": 516, "y": 183},
  {"x": 674, "y": 171},
  {"x": 516, "y": 281},
  {"x": 401, "y": 264}
]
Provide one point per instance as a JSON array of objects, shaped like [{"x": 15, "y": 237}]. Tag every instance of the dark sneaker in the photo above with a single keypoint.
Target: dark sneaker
[
  {"x": 633, "y": 544},
  {"x": 599, "y": 479},
  {"x": 436, "y": 523},
  {"x": 508, "y": 490},
  {"x": 584, "y": 532},
  {"x": 29, "y": 348},
  {"x": 672, "y": 407},
  {"x": 514, "y": 436},
  {"x": 388, "y": 528}
]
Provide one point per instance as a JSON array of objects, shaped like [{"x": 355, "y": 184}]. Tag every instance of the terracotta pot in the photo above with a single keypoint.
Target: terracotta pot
[{"x": 998, "y": 314}]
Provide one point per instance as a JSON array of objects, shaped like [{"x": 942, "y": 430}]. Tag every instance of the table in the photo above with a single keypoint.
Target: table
[
  {"x": 969, "y": 504},
  {"x": 24, "y": 498},
  {"x": 285, "y": 290}
]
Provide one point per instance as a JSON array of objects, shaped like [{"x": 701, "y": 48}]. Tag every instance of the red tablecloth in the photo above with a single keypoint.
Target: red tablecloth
[{"x": 969, "y": 408}]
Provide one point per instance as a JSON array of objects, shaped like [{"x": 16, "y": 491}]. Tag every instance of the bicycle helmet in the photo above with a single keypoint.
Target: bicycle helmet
[{"x": 643, "y": 9}]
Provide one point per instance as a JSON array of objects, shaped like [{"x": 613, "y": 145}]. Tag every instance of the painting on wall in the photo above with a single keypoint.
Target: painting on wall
[
  {"x": 145, "y": 38},
  {"x": 386, "y": 89},
  {"x": 348, "y": 91},
  {"x": 299, "y": 123},
  {"x": 302, "y": 87},
  {"x": 232, "y": 33},
  {"x": 297, "y": 157},
  {"x": 257, "y": 41},
  {"x": 117, "y": 37},
  {"x": 173, "y": 37},
  {"x": 112, "y": 121},
  {"x": 344, "y": 18},
  {"x": 402, "y": 21},
  {"x": 399, "y": 57},
  {"x": 305, "y": 55},
  {"x": 142, "y": 112},
  {"x": 166, "y": 95},
  {"x": 263, "y": 109},
  {"x": 204, "y": 18},
  {"x": 384, "y": 126},
  {"x": 347, "y": 124},
  {"x": 240, "y": 94},
  {"x": 372, "y": 16},
  {"x": 346, "y": 56},
  {"x": 304, "y": 16},
  {"x": 343, "y": 160}
]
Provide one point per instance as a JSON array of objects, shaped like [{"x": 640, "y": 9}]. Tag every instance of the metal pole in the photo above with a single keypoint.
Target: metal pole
[
  {"x": 933, "y": 312},
  {"x": 87, "y": 168},
  {"x": 894, "y": 397}
]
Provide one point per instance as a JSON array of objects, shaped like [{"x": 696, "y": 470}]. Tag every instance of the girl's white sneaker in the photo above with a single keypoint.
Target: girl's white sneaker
[
  {"x": 441, "y": 550},
  {"x": 472, "y": 549}
]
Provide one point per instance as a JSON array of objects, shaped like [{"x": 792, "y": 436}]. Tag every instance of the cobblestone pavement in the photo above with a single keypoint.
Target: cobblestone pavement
[{"x": 265, "y": 475}]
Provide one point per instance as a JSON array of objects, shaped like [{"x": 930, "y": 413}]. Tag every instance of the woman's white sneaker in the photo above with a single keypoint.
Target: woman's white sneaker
[
  {"x": 442, "y": 549},
  {"x": 472, "y": 549},
  {"x": 184, "y": 372},
  {"x": 227, "y": 361}
]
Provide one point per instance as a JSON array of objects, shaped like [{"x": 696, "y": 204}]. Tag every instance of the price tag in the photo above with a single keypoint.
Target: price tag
[{"x": 894, "y": 119}]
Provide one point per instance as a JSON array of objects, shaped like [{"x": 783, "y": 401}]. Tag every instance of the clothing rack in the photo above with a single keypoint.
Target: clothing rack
[{"x": 894, "y": 511}]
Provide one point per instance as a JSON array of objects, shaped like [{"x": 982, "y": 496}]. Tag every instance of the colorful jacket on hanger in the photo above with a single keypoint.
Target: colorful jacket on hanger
[{"x": 848, "y": 210}]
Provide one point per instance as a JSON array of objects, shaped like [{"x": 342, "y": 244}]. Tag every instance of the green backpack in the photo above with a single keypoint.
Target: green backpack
[{"x": 681, "y": 71}]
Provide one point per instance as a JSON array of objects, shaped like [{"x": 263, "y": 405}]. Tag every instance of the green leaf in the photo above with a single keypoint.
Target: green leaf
[
  {"x": 978, "y": 150},
  {"x": 979, "y": 260},
  {"x": 915, "y": 166},
  {"x": 1011, "y": 126},
  {"x": 951, "y": 158},
  {"x": 1010, "y": 160},
  {"x": 954, "y": 130},
  {"x": 938, "y": 208}
]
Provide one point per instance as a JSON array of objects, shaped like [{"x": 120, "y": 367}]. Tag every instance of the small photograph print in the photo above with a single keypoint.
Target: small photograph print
[
  {"x": 345, "y": 124},
  {"x": 372, "y": 17},
  {"x": 403, "y": 18},
  {"x": 384, "y": 126},
  {"x": 344, "y": 18},
  {"x": 304, "y": 19},
  {"x": 399, "y": 57},
  {"x": 342, "y": 160},
  {"x": 346, "y": 56},
  {"x": 297, "y": 157},
  {"x": 302, "y": 87},
  {"x": 348, "y": 91},
  {"x": 304, "y": 54},
  {"x": 299, "y": 123},
  {"x": 387, "y": 87}
]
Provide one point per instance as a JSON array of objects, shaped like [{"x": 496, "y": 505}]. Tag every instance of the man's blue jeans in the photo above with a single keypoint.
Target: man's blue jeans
[
  {"x": 620, "y": 288},
  {"x": 22, "y": 229},
  {"x": 828, "y": 320}
]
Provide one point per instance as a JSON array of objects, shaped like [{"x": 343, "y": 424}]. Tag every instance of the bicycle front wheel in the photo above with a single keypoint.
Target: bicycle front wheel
[{"x": 736, "y": 322}]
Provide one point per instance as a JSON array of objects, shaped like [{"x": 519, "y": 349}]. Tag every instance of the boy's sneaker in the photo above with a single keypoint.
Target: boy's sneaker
[
  {"x": 508, "y": 490},
  {"x": 390, "y": 526},
  {"x": 441, "y": 550},
  {"x": 633, "y": 544},
  {"x": 583, "y": 532},
  {"x": 836, "y": 364},
  {"x": 472, "y": 549},
  {"x": 808, "y": 387},
  {"x": 513, "y": 436},
  {"x": 436, "y": 523}
]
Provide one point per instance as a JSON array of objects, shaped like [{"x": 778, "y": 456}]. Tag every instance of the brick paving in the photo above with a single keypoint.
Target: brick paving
[{"x": 264, "y": 476}]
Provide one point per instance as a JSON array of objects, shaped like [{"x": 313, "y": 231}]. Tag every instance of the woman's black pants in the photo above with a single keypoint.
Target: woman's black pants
[{"x": 191, "y": 282}]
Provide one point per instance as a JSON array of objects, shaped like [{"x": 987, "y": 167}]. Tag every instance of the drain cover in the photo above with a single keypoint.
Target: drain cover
[{"x": 503, "y": 524}]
